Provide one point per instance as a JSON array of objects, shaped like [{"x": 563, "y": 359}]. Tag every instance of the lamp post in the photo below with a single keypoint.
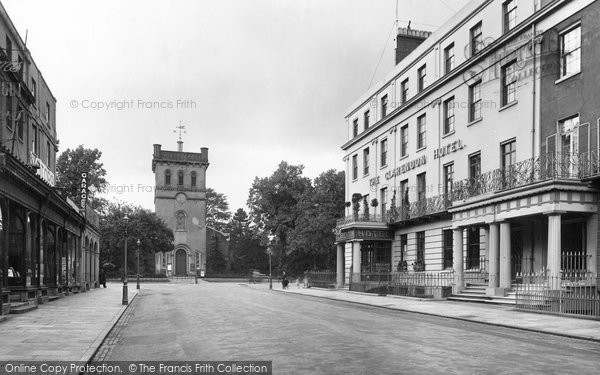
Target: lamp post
[
  {"x": 138, "y": 264},
  {"x": 269, "y": 251},
  {"x": 271, "y": 237},
  {"x": 125, "y": 300}
]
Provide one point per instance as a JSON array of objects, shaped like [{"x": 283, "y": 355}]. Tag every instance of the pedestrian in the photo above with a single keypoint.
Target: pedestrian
[
  {"x": 284, "y": 281},
  {"x": 102, "y": 277}
]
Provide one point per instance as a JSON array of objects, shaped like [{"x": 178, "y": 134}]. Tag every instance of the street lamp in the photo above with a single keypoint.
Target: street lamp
[
  {"x": 138, "y": 264},
  {"x": 270, "y": 252},
  {"x": 125, "y": 293}
]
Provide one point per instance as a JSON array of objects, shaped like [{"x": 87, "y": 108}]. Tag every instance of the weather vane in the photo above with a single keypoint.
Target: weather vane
[{"x": 180, "y": 129}]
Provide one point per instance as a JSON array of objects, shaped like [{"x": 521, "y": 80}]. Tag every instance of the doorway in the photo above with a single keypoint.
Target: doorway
[{"x": 180, "y": 263}]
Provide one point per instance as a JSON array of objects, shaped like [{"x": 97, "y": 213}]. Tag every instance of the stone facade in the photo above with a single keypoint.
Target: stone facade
[{"x": 180, "y": 200}]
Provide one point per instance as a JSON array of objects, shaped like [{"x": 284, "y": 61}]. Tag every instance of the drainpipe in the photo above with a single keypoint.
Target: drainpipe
[{"x": 533, "y": 120}]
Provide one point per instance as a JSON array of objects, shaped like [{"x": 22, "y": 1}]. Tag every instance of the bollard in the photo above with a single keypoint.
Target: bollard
[{"x": 196, "y": 279}]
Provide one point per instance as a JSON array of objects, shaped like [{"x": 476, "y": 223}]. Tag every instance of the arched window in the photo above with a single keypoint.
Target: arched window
[
  {"x": 194, "y": 179},
  {"x": 168, "y": 177},
  {"x": 180, "y": 178},
  {"x": 180, "y": 217}
]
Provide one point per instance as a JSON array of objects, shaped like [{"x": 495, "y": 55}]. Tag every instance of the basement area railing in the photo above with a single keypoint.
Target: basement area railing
[
  {"x": 421, "y": 284},
  {"x": 568, "y": 294},
  {"x": 322, "y": 279}
]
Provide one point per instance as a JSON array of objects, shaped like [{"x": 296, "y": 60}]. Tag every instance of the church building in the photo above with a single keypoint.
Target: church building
[{"x": 180, "y": 201}]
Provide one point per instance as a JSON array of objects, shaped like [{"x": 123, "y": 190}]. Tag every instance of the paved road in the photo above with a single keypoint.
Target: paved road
[{"x": 305, "y": 335}]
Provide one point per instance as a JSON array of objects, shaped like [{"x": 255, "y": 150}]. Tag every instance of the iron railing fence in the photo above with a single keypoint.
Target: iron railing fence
[
  {"x": 360, "y": 218},
  {"x": 567, "y": 294},
  {"x": 574, "y": 261},
  {"x": 549, "y": 166},
  {"x": 476, "y": 269},
  {"x": 422, "y": 207},
  {"x": 322, "y": 279},
  {"x": 589, "y": 164},
  {"x": 424, "y": 285}
]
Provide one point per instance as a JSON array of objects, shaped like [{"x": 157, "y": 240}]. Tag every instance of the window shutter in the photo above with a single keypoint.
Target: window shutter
[
  {"x": 551, "y": 144},
  {"x": 584, "y": 138}
]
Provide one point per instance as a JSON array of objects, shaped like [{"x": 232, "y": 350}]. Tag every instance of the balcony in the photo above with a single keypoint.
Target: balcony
[
  {"x": 546, "y": 167},
  {"x": 364, "y": 219},
  {"x": 421, "y": 209}
]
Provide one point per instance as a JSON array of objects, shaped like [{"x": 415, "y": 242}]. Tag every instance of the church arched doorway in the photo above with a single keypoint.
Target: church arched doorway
[{"x": 180, "y": 263}]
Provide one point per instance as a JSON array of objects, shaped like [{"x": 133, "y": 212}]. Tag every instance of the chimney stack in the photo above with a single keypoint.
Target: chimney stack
[{"x": 407, "y": 40}]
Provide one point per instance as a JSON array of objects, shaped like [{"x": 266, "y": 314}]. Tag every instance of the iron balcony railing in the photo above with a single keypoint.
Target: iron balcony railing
[
  {"x": 420, "y": 208},
  {"x": 361, "y": 218},
  {"x": 550, "y": 166},
  {"x": 546, "y": 167}
]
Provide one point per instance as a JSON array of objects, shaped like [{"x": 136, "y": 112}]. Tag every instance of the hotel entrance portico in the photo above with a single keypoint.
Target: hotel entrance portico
[
  {"x": 361, "y": 251},
  {"x": 550, "y": 230}
]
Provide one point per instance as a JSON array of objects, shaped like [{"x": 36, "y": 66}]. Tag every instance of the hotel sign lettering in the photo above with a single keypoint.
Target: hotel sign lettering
[
  {"x": 42, "y": 170},
  {"x": 406, "y": 167},
  {"x": 365, "y": 234},
  {"x": 449, "y": 148}
]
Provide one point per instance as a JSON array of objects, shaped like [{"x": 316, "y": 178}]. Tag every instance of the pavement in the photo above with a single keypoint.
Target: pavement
[
  {"x": 70, "y": 328},
  {"x": 73, "y": 328},
  {"x": 497, "y": 315}
]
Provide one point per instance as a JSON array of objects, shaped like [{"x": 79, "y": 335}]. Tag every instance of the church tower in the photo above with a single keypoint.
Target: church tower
[{"x": 180, "y": 201}]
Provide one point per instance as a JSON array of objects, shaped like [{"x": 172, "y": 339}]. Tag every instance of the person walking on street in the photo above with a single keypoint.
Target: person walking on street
[
  {"x": 284, "y": 281},
  {"x": 102, "y": 277}
]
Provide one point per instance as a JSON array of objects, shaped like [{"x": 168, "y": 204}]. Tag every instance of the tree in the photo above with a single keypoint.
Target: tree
[
  {"x": 245, "y": 250},
  {"x": 273, "y": 204},
  {"x": 312, "y": 240},
  {"x": 70, "y": 165},
  {"x": 144, "y": 225},
  {"x": 217, "y": 209}
]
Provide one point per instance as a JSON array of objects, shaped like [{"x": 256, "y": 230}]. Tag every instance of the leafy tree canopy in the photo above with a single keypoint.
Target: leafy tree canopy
[
  {"x": 142, "y": 224},
  {"x": 70, "y": 165},
  {"x": 273, "y": 203},
  {"x": 217, "y": 209}
]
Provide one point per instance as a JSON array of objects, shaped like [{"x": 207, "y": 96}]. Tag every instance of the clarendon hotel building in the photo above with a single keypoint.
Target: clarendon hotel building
[
  {"x": 477, "y": 154},
  {"x": 49, "y": 245}
]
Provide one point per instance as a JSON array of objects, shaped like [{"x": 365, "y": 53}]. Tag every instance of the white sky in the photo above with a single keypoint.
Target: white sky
[{"x": 270, "y": 79}]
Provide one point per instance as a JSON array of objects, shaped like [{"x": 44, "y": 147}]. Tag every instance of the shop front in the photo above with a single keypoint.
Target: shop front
[{"x": 40, "y": 233}]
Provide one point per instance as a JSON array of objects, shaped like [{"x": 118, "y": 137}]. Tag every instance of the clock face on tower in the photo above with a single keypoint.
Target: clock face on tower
[{"x": 180, "y": 197}]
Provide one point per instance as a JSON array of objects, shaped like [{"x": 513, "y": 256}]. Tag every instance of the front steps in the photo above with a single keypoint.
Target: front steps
[
  {"x": 475, "y": 292},
  {"x": 18, "y": 306}
]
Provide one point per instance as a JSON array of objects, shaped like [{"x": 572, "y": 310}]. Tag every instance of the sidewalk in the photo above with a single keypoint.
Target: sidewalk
[
  {"x": 68, "y": 329},
  {"x": 498, "y": 315}
]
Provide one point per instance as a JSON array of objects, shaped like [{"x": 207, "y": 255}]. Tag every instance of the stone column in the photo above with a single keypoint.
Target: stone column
[
  {"x": 340, "y": 265},
  {"x": 493, "y": 252},
  {"x": 592, "y": 244},
  {"x": 355, "y": 261},
  {"x": 458, "y": 260},
  {"x": 505, "y": 255},
  {"x": 554, "y": 250}
]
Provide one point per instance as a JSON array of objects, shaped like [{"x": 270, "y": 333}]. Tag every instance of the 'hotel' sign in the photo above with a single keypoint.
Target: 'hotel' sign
[{"x": 449, "y": 148}]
